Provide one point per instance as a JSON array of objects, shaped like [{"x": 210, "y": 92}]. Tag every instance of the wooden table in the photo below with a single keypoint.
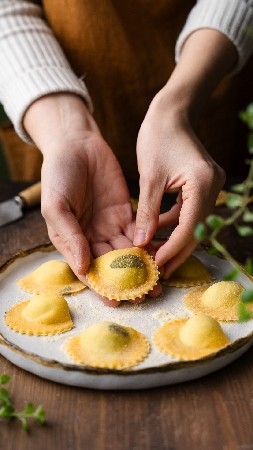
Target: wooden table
[{"x": 211, "y": 413}]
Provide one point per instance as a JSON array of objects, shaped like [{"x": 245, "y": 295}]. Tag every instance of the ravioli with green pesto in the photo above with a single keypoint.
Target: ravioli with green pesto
[
  {"x": 108, "y": 345},
  {"x": 123, "y": 274}
]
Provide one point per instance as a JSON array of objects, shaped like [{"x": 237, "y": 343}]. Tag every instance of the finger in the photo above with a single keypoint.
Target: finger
[
  {"x": 175, "y": 262},
  {"x": 156, "y": 291},
  {"x": 180, "y": 238},
  {"x": 183, "y": 234},
  {"x": 105, "y": 300},
  {"x": 137, "y": 300},
  {"x": 67, "y": 236},
  {"x": 108, "y": 302},
  {"x": 115, "y": 243},
  {"x": 147, "y": 215}
]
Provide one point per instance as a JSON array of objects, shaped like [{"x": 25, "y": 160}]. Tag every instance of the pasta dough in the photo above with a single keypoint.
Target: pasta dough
[
  {"x": 54, "y": 276},
  {"x": 43, "y": 314},
  {"x": 108, "y": 345},
  {"x": 190, "y": 338},
  {"x": 123, "y": 274},
  {"x": 191, "y": 273},
  {"x": 220, "y": 300}
]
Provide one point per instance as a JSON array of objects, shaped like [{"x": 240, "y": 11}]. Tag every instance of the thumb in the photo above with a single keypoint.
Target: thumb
[{"x": 147, "y": 215}]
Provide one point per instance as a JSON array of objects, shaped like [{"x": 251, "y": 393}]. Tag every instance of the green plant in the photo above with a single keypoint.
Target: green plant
[
  {"x": 241, "y": 218},
  {"x": 8, "y": 412}
]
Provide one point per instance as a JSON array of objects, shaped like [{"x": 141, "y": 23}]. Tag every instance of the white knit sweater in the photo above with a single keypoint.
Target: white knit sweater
[{"x": 32, "y": 63}]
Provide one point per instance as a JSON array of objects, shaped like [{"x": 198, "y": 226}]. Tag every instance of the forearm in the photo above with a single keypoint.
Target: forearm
[
  {"x": 32, "y": 62},
  {"x": 206, "y": 58}
]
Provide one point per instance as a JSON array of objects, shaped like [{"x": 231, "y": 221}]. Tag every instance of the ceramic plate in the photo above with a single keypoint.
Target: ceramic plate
[{"x": 45, "y": 355}]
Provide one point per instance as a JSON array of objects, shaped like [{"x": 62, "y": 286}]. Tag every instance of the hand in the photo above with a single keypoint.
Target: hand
[
  {"x": 85, "y": 199},
  {"x": 88, "y": 209},
  {"x": 169, "y": 153},
  {"x": 170, "y": 157}
]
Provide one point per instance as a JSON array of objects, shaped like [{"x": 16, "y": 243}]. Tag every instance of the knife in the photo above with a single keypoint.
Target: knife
[{"x": 12, "y": 209}]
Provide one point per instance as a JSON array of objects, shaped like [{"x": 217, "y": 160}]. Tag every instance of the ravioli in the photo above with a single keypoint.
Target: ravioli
[
  {"x": 53, "y": 276},
  {"x": 43, "y": 314},
  {"x": 123, "y": 274},
  {"x": 108, "y": 345},
  {"x": 191, "y": 273},
  {"x": 220, "y": 300},
  {"x": 190, "y": 338}
]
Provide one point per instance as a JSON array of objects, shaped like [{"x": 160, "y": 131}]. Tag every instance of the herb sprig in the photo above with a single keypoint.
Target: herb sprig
[
  {"x": 8, "y": 412},
  {"x": 241, "y": 218}
]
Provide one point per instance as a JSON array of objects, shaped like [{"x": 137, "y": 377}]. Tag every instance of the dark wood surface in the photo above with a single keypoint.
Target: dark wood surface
[{"x": 214, "y": 412}]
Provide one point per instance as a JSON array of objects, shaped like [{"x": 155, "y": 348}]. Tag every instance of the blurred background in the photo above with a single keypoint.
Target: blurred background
[
  {"x": 19, "y": 161},
  {"x": 4, "y": 173}
]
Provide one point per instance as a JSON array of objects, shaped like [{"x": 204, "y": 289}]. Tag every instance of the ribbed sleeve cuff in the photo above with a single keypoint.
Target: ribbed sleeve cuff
[
  {"x": 234, "y": 18},
  {"x": 23, "y": 91},
  {"x": 32, "y": 64}
]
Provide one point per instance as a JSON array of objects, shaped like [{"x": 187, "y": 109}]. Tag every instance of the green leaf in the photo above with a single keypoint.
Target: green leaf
[
  {"x": 40, "y": 415},
  {"x": 214, "y": 221},
  {"x": 247, "y": 116},
  {"x": 250, "y": 143},
  {"x": 249, "y": 265},
  {"x": 244, "y": 231},
  {"x": 234, "y": 201},
  {"x": 4, "y": 396},
  {"x": 24, "y": 423},
  {"x": 213, "y": 251},
  {"x": 239, "y": 188},
  {"x": 4, "y": 379},
  {"x": 248, "y": 216},
  {"x": 200, "y": 231},
  {"x": 231, "y": 275},
  {"x": 247, "y": 296},
  {"x": 7, "y": 411},
  {"x": 244, "y": 314},
  {"x": 29, "y": 408}
]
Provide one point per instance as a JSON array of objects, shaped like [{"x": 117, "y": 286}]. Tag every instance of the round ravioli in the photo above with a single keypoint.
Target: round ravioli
[
  {"x": 108, "y": 345},
  {"x": 220, "y": 300},
  {"x": 191, "y": 273},
  {"x": 52, "y": 276},
  {"x": 123, "y": 274},
  {"x": 190, "y": 338},
  {"x": 43, "y": 314}
]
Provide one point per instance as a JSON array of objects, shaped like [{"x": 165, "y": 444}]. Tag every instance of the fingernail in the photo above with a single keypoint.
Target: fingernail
[{"x": 139, "y": 236}]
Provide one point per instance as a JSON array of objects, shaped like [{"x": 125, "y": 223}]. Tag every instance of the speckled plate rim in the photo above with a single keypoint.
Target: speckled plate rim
[{"x": 135, "y": 378}]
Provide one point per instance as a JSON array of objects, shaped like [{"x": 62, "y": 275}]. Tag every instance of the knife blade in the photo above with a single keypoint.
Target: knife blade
[{"x": 12, "y": 209}]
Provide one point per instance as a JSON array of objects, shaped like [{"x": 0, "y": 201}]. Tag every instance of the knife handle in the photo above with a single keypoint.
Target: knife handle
[{"x": 31, "y": 196}]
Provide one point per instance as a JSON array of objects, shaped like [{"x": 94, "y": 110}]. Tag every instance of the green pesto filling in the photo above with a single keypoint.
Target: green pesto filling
[
  {"x": 126, "y": 261},
  {"x": 118, "y": 330}
]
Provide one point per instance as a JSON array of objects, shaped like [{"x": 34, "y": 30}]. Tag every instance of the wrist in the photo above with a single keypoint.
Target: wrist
[{"x": 56, "y": 116}]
